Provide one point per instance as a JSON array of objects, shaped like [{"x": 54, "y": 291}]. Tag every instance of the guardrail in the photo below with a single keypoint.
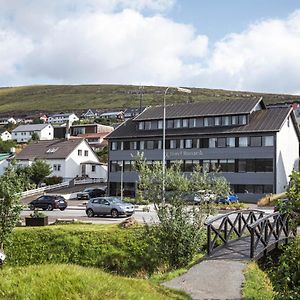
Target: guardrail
[
  {"x": 43, "y": 189},
  {"x": 89, "y": 181}
]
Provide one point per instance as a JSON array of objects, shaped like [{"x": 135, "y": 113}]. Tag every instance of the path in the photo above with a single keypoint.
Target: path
[{"x": 219, "y": 276}]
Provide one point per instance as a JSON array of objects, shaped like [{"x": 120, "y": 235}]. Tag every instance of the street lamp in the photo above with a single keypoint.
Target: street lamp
[
  {"x": 182, "y": 90},
  {"x": 121, "y": 183}
]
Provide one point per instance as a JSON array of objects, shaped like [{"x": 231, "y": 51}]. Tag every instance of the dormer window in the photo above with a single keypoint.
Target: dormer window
[
  {"x": 141, "y": 125},
  {"x": 242, "y": 119},
  {"x": 160, "y": 124}
]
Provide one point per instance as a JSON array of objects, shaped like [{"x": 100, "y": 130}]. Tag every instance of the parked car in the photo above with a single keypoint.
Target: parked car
[
  {"x": 108, "y": 206},
  {"x": 228, "y": 199},
  {"x": 90, "y": 193},
  {"x": 49, "y": 202}
]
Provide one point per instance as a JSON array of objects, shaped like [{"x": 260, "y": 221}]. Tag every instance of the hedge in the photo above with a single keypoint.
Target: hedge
[{"x": 124, "y": 251}]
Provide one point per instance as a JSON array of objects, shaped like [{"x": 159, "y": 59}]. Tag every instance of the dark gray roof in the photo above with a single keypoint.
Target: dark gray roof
[
  {"x": 31, "y": 127},
  {"x": 57, "y": 149},
  {"x": 266, "y": 120},
  {"x": 213, "y": 108}
]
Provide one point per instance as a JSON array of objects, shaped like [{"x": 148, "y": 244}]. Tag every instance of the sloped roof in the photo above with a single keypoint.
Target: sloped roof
[
  {"x": 266, "y": 120},
  {"x": 31, "y": 127},
  {"x": 57, "y": 149},
  {"x": 200, "y": 109}
]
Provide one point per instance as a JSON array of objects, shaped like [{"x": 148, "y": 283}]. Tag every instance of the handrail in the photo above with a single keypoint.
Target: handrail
[
  {"x": 256, "y": 223},
  {"x": 212, "y": 220}
]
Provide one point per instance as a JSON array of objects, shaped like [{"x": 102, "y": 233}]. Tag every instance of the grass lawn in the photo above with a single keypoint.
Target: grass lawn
[
  {"x": 59, "y": 282},
  {"x": 257, "y": 285}
]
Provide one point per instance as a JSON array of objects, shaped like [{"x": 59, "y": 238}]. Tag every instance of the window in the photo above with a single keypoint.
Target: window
[
  {"x": 234, "y": 120},
  {"x": 255, "y": 141},
  {"x": 154, "y": 125},
  {"x": 133, "y": 145},
  {"x": 79, "y": 152},
  {"x": 213, "y": 165},
  {"x": 199, "y": 122},
  {"x": 160, "y": 124},
  {"x": 172, "y": 144},
  {"x": 268, "y": 141},
  {"x": 150, "y": 145},
  {"x": 188, "y": 166},
  {"x": 192, "y": 123},
  {"x": 250, "y": 165},
  {"x": 141, "y": 125},
  {"x": 188, "y": 144},
  {"x": 209, "y": 121},
  {"x": 242, "y": 166},
  {"x": 264, "y": 165},
  {"x": 230, "y": 142},
  {"x": 196, "y": 143},
  {"x": 185, "y": 123},
  {"x": 93, "y": 168},
  {"x": 204, "y": 143},
  {"x": 206, "y": 164},
  {"x": 223, "y": 165},
  {"x": 225, "y": 121},
  {"x": 142, "y": 145},
  {"x": 221, "y": 142},
  {"x": 86, "y": 153},
  {"x": 127, "y": 165},
  {"x": 205, "y": 122},
  {"x": 170, "y": 124},
  {"x": 148, "y": 125},
  {"x": 114, "y": 146},
  {"x": 217, "y": 121},
  {"x": 242, "y": 120},
  {"x": 243, "y": 142},
  {"x": 177, "y": 123},
  {"x": 181, "y": 144},
  {"x": 212, "y": 142},
  {"x": 231, "y": 165}
]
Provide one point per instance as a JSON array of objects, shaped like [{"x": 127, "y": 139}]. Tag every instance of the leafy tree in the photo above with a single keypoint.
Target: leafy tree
[
  {"x": 11, "y": 185},
  {"x": 103, "y": 154},
  {"x": 35, "y": 136},
  {"x": 39, "y": 171},
  {"x": 179, "y": 234},
  {"x": 5, "y": 146}
]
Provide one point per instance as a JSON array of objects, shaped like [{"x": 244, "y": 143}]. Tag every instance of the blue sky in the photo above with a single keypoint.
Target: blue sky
[{"x": 239, "y": 45}]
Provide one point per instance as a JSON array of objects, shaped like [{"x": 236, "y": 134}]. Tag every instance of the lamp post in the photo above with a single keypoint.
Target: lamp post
[
  {"x": 182, "y": 90},
  {"x": 121, "y": 183}
]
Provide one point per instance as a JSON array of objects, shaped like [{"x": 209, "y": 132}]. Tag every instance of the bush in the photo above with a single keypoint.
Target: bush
[
  {"x": 53, "y": 180},
  {"x": 285, "y": 274},
  {"x": 124, "y": 251},
  {"x": 56, "y": 282}
]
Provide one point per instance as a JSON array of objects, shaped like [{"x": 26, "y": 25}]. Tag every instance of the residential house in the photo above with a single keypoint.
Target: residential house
[
  {"x": 133, "y": 112},
  {"x": 112, "y": 115},
  {"x": 4, "y": 134},
  {"x": 90, "y": 114},
  {"x": 23, "y": 133},
  {"x": 256, "y": 148},
  {"x": 67, "y": 158},
  {"x": 5, "y": 121},
  {"x": 62, "y": 118}
]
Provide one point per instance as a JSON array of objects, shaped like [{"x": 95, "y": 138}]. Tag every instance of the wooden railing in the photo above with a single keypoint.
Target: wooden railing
[
  {"x": 269, "y": 231},
  {"x": 229, "y": 227}
]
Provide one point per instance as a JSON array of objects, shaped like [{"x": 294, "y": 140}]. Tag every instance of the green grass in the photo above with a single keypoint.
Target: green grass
[
  {"x": 50, "y": 98},
  {"x": 257, "y": 285},
  {"x": 70, "y": 282}
]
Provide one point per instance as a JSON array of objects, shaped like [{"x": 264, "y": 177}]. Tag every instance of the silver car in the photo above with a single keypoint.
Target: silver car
[{"x": 108, "y": 206}]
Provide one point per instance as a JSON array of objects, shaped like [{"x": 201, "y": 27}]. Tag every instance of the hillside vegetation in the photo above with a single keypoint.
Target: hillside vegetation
[{"x": 56, "y": 98}]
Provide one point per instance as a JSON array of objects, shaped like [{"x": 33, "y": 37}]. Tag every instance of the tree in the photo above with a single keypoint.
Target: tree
[
  {"x": 39, "y": 171},
  {"x": 35, "y": 136},
  {"x": 103, "y": 154},
  {"x": 5, "y": 146},
  {"x": 179, "y": 234},
  {"x": 11, "y": 185}
]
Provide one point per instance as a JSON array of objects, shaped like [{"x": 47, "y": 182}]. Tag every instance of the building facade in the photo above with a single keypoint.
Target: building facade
[
  {"x": 62, "y": 118},
  {"x": 255, "y": 148},
  {"x": 23, "y": 133}
]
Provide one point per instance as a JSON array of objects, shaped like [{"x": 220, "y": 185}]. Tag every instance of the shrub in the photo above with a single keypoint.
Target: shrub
[
  {"x": 286, "y": 273},
  {"x": 53, "y": 180},
  {"x": 124, "y": 251}
]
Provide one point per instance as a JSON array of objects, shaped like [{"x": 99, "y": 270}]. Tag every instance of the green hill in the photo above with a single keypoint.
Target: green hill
[{"x": 55, "y": 98}]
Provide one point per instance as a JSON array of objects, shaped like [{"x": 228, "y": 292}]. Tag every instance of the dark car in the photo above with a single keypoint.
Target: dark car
[
  {"x": 90, "y": 193},
  {"x": 49, "y": 202},
  {"x": 108, "y": 206}
]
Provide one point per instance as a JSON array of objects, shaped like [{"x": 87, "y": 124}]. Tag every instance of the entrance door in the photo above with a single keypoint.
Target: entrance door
[{"x": 83, "y": 170}]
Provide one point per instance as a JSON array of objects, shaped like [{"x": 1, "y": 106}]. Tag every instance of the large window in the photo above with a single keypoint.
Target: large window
[
  {"x": 192, "y": 122},
  {"x": 268, "y": 141},
  {"x": 230, "y": 142},
  {"x": 255, "y": 141},
  {"x": 170, "y": 124},
  {"x": 221, "y": 142},
  {"x": 188, "y": 143},
  {"x": 212, "y": 142},
  {"x": 177, "y": 123},
  {"x": 243, "y": 141},
  {"x": 141, "y": 125},
  {"x": 253, "y": 188},
  {"x": 172, "y": 144}
]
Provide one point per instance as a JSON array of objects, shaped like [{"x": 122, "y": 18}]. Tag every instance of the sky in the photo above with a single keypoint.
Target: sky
[{"x": 250, "y": 45}]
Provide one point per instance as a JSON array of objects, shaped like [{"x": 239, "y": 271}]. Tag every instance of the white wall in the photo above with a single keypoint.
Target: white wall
[
  {"x": 3, "y": 165},
  {"x": 5, "y": 136},
  {"x": 287, "y": 154},
  {"x": 46, "y": 133}
]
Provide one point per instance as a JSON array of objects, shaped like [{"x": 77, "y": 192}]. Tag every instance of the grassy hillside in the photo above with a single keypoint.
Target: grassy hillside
[
  {"x": 57, "y": 282},
  {"x": 56, "y": 98}
]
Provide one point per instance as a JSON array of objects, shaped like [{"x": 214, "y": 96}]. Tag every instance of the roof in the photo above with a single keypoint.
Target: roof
[
  {"x": 112, "y": 113},
  {"x": 31, "y": 127},
  {"x": 213, "y": 108},
  {"x": 57, "y": 149},
  {"x": 93, "y": 135},
  {"x": 61, "y": 115},
  {"x": 266, "y": 120},
  {"x": 2, "y": 130}
]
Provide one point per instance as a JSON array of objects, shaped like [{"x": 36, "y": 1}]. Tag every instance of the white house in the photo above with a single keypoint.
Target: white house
[
  {"x": 4, "y": 161},
  {"x": 68, "y": 158},
  {"x": 5, "y": 121},
  {"x": 89, "y": 114},
  {"x": 4, "y": 134},
  {"x": 112, "y": 115},
  {"x": 23, "y": 133},
  {"x": 62, "y": 118}
]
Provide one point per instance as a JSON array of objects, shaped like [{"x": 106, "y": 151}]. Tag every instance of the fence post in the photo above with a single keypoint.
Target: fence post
[
  {"x": 252, "y": 242},
  {"x": 209, "y": 239}
]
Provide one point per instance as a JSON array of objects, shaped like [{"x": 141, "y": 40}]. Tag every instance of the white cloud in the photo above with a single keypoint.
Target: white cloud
[{"x": 113, "y": 41}]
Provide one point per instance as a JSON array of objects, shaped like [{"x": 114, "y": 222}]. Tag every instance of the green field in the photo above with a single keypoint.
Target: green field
[{"x": 57, "y": 98}]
